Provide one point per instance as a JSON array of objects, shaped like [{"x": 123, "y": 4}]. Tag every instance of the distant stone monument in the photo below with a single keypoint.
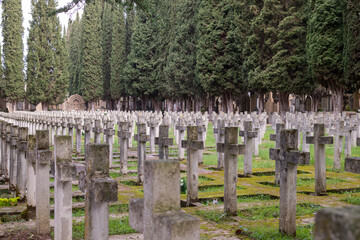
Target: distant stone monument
[{"x": 75, "y": 102}]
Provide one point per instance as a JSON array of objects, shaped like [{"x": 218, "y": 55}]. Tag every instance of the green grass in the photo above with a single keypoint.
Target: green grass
[
  {"x": 241, "y": 199},
  {"x": 217, "y": 216},
  {"x": 116, "y": 227},
  {"x": 215, "y": 188},
  {"x": 268, "y": 212},
  {"x": 119, "y": 208},
  {"x": 355, "y": 200},
  {"x": 11, "y": 218},
  {"x": 304, "y": 232}
]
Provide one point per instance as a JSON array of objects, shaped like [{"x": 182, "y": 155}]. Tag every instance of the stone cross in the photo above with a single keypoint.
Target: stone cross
[
  {"x": 348, "y": 140},
  {"x": 306, "y": 131},
  {"x": 70, "y": 126},
  {"x": 220, "y": 138},
  {"x": 65, "y": 172},
  {"x": 110, "y": 132},
  {"x": 339, "y": 137},
  {"x": 201, "y": 136},
  {"x": 87, "y": 129},
  {"x": 97, "y": 131},
  {"x": 141, "y": 139},
  {"x": 164, "y": 141},
  {"x": 289, "y": 158},
  {"x": 64, "y": 125},
  {"x": 231, "y": 150},
  {"x": 13, "y": 157},
  {"x": 158, "y": 215},
  {"x": 43, "y": 158},
  {"x": 79, "y": 128},
  {"x": 319, "y": 140},
  {"x": 2, "y": 139},
  {"x": 21, "y": 162},
  {"x": 181, "y": 127},
  {"x": 31, "y": 177},
  {"x": 193, "y": 146},
  {"x": 248, "y": 135},
  {"x": 124, "y": 135},
  {"x": 276, "y": 138},
  {"x": 152, "y": 125},
  {"x": 100, "y": 190}
]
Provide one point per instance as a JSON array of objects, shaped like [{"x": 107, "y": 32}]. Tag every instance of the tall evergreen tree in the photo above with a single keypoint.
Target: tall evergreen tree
[
  {"x": 47, "y": 73},
  {"x": 352, "y": 45},
  {"x": 107, "y": 28},
  {"x": 129, "y": 28},
  {"x": 12, "y": 32},
  {"x": 90, "y": 72},
  {"x": 74, "y": 48},
  {"x": 219, "y": 52},
  {"x": 118, "y": 55},
  {"x": 180, "y": 70},
  {"x": 325, "y": 47}
]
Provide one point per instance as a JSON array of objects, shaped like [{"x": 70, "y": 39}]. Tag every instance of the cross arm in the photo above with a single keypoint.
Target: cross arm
[
  {"x": 298, "y": 157},
  {"x": 358, "y": 141},
  {"x": 272, "y": 137},
  {"x": 233, "y": 149},
  {"x": 326, "y": 140},
  {"x": 310, "y": 139},
  {"x": 165, "y": 141},
  {"x": 274, "y": 153},
  {"x": 194, "y": 145}
]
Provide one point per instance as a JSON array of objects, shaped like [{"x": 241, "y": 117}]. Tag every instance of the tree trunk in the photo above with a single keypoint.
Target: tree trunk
[
  {"x": 45, "y": 106},
  {"x": 283, "y": 103},
  {"x": 188, "y": 102},
  {"x": 210, "y": 105},
  {"x": 338, "y": 100},
  {"x": 261, "y": 102},
  {"x": 157, "y": 106},
  {"x": 229, "y": 103},
  {"x": 143, "y": 103}
]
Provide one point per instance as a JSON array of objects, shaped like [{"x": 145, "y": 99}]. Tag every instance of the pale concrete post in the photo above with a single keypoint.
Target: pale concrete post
[
  {"x": 65, "y": 172},
  {"x": 100, "y": 190},
  {"x": 63, "y": 125},
  {"x": 87, "y": 129},
  {"x": 78, "y": 135},
  {"x": 339, "y": 137},
  {"x": 201, "y": 130},
  {"x": 22, "y": 163},
  {"x": 306, "y": 132},
  {"x": 152, "y": 125},
  {"x": 7, "y": 146},
  {"x": 164, "y": 141},
  {"x": 352, "y": 164},
  {"x": 131, "y": 128},
  {"x": 13, "y": 157},
  {"x": 31, "y": 177},
  {"x": 220, "y": 138},
  {"x": 70, "y": 126},
  {"x": 231, "y": 150},
  {"x": 44, "y": 156},
  {"x": 181, "y": 127},
  {"x": 110, "y": 132},
  {"x": 319, "y": 140},
  {"x": 276, "y": 138},
  {"x": 289, "y": 158},
  {"x": 124, "y": 135},
  {"x": 348, "y": 139},
  {"x": 248, "y": 135},
  {"x": 97, "y": 131},
  {"x": 141, "y": 139},
  {"x": 193, "y": 146},
  {"x": 2, "y": 160}
]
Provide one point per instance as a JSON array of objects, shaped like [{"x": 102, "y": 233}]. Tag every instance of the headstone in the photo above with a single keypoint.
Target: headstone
[
  {"x": 220, "y": 138},
  {"x": 43, "y": 158},
  {"x": 248, "y": 135},
  {"x": 97, "y": 130},
  {"x": 289, "y": 158},
  {"x": 141, "y": 139},
  {"x": 110, "y": 132},
  {"x": 339, "y": 138},
  {"x": 276, "y": 137},
  {"x": 158, "y": 215},
  {"x": 193, "y": 146},
  {"x": 164, "y": 141},
  {"x": 65, "y": 172},
  {"x": 181, "y": 127},
  {"x": 319, "y": 140},
  {"x": 352, "y": 164},
  {"x": 231, "y": 150},
  {"x": 100, "y": 190}
]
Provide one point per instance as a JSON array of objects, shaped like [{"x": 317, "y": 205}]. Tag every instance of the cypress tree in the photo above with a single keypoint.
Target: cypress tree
[
  {"x": 219, "y": 52},
  {"x": 90, "y": 72},
  {"x": 352, "y": 45},
  {"x": 325, "y": 47},
  {"x": 12, "y": 33},
  {"x": 118, "y": 55},
  {"x": 107, "y": 28},
  {"x": 47, "y": 73},
  {"x": 129, "y": 28},
  {"x": 74, "y": 46}
]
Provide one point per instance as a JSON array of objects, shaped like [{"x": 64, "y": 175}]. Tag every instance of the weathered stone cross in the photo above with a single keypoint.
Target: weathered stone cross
[
  {"x": 141, "y": 138},
  {"x": 276, "y": 138},
  {"x": 248, "y": 135},
  {"x": 164, "y": 141}
]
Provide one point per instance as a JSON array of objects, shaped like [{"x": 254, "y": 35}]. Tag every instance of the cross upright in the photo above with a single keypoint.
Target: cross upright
[
  {"x": 289, "y": 158},
  {"x": 164, "y": 141},
  {"x": 220, "y": 138},
  {"x": 181, "y": 128},
  {"x": 231, "y": 150},
  {"x": 348, "y": 139},
  {"x": 276, "y": 138},
  {"x": 141, "y": 138},
  {"x": 152, "y": 124},
  {"x": 201, "y": 136},
  {"x": 124, "y": 135},
  {"x": 193, "y": 146},
  {"x": 248, "y": 135},
  {"x": 319, "y": 140},
  {"x": 339, "y": 135},
  {"x": 97, "y": 131}
]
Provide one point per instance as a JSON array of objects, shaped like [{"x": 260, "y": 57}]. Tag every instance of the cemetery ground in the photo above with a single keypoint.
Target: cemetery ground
[{"x": 258, "y": 197}]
